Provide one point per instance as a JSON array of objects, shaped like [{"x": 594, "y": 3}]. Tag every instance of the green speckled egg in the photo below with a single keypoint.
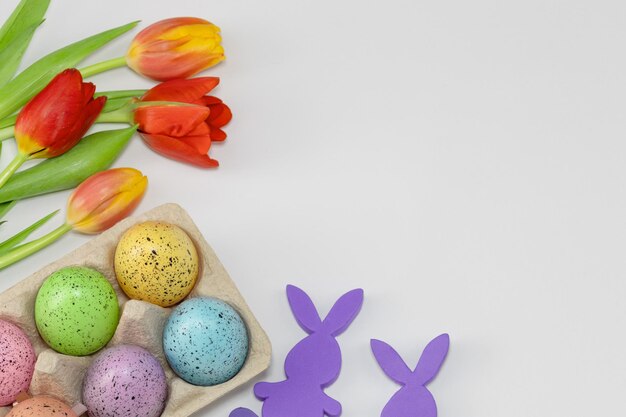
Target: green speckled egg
[
  {"x": 76, "y": 311},
  {"x": 156, "y": 262}
]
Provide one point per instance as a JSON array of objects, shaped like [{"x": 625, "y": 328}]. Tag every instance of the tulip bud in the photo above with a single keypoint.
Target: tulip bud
[
  {"x": 175, "y": 48},
  {"x": 104, "y": 199}
]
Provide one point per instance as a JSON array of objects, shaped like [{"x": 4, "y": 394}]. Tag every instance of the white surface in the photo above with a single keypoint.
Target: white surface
[{"x": 463, "y": 162}]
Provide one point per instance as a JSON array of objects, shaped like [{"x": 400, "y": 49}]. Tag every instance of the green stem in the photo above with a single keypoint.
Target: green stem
[
  {"x": 103, "y": 66},
  {"x": 17, "y": 162},
  {"x": 27, "y": 249},
  {"x": 6, "y": 133},
  {"x": 121, "y": 93},
  {"x": 123, "y": 115}
]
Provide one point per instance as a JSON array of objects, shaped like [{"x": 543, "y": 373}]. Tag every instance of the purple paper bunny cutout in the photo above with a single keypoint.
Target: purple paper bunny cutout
[
  {"x": 313, "y": 364},
  {"x": 413, "y": 399}
]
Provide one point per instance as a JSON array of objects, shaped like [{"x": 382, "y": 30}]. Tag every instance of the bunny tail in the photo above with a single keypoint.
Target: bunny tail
[{"x": 242, "y": 412}]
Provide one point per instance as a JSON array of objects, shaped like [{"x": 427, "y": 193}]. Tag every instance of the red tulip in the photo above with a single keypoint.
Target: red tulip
[
  {"x": 184, "y": 132},
  {"x": 58, "y": 117},
  {"x": 175, "y": 48},
  {"x": 54, "y": 120}
]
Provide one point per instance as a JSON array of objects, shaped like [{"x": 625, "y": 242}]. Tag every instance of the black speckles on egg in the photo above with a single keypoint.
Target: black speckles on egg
[
  {"x": 76, "y": 311},
  {"x": 125, "y": 381},
  {"x": 205, "y": 341},
  {"x": 156, "y": 262},
  {"x": 17, "y": 362}
]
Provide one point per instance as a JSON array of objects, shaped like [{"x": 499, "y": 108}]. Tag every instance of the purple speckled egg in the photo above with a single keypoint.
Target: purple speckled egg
[
  {"x": 125, "y": 381},
  {"x": 17, "y": 362}
]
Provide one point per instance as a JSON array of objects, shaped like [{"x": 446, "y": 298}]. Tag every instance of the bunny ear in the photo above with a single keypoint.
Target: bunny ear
[
  {"x": 242, "y": 412},
  {"x": 432, "y": 359},
  {"x": 344, "y": 312},
  {"x": 390, "y": 362},
  {"x": 303, "y": 309}
]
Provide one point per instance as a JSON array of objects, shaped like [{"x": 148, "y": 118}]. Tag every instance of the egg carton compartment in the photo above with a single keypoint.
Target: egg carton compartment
[{"x": 140, "y": 324}]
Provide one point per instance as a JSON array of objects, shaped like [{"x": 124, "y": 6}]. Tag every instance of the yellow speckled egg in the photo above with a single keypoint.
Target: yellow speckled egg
[{"x": 156, "y": 262}]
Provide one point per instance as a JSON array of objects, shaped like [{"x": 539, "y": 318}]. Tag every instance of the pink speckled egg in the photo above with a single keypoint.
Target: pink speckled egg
[
  {"x": 17, "y": 362},
  {"x": 42, "y": 406},
  {"x": 125, "y": 381}
]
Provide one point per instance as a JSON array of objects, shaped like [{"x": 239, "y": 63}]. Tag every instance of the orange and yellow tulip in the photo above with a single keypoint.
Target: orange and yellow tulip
[
  {"x": 104, "y": 199},
  {"x": 175, "y": 48},
  {"x": 95, "y": 205}
]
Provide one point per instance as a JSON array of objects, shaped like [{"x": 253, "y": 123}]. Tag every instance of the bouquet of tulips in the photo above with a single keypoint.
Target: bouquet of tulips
[{"x": 48, "y": 109}]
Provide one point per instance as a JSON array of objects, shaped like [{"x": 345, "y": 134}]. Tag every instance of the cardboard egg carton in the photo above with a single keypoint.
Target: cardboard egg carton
[{"x": 141, "y": 323}]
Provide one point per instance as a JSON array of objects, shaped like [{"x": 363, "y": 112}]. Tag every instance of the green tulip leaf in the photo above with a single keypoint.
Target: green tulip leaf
[
  {"x": 92, "y": 154},
  {"x": 6, "y": 207},
  {"x": 18, "y": 238},
  {"x": 16, "y": 34},
  {"x": 8, "y": 121},
  {"x": 24, "y": 86}
]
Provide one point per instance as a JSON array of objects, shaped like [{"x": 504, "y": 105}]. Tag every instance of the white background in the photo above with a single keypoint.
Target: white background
[{"x": 462, "y": 161}]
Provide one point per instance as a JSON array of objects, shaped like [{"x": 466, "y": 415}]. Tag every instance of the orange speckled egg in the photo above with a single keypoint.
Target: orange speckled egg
[
  {"x": 42, "y": 406},
  {"x": 156, "y": 262}
]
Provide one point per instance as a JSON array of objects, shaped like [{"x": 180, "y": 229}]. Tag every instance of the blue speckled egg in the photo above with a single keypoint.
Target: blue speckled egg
[{"x": 205, "y": 341}]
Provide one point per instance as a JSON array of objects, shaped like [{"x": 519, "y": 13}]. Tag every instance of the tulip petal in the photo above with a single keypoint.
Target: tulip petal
[
  {"x": 163, "y": 66},
  {"x": 170, "y": 120},
  {"x": 220, "y": 115},
  {"x": 217, "y": 134},
  {"x": 156, "y": 29},
  {"x": 183, "y": 91},
  {"x": 176, "y": 149},
  {"x": 210, "y": 100},
  {"x": 88, "y": 91},
  {"x": 202, "y": 144},
  {"x": 202, "y": 129}
]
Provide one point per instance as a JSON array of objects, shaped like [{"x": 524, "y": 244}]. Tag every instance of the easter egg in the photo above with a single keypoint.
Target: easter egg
[
  {"x": 42, "y": 406},
  {"x": 76, "y": 311},
  {"x": 156, "y": 262},
  {"x": 125, "y": 381},
  {"x": 17, "y": 362},
  {"x": 205, "y": 341}
]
